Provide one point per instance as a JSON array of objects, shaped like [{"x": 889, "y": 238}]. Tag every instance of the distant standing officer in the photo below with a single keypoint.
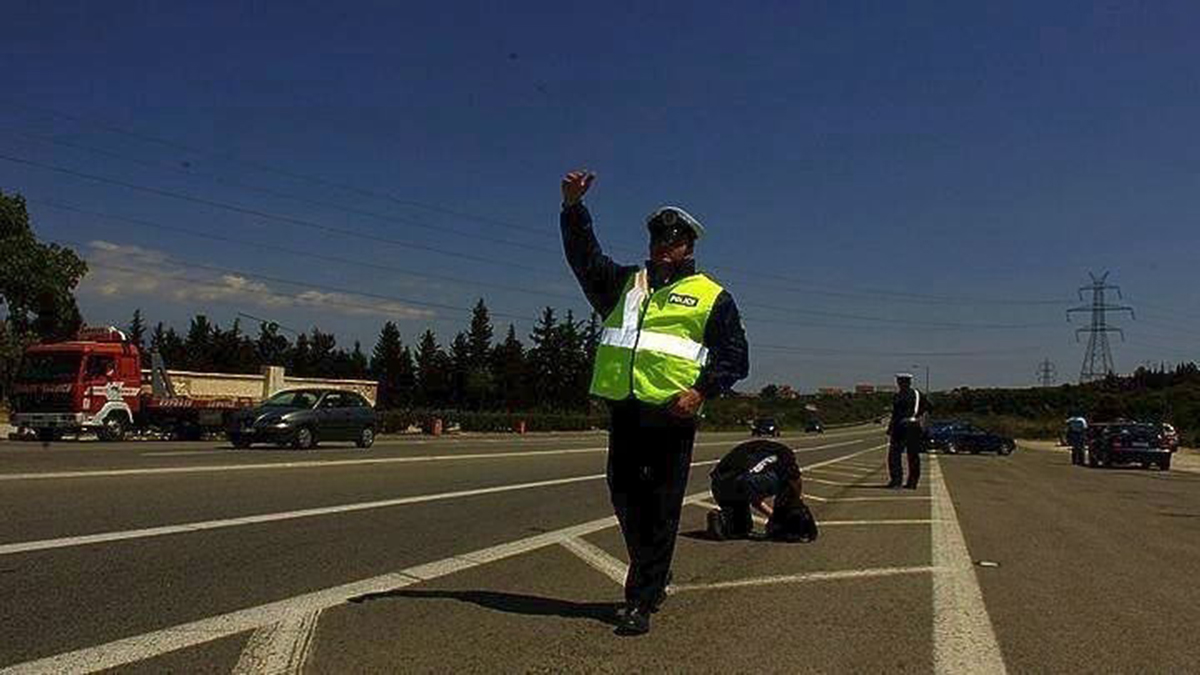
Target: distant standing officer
[
  {"x": 672, "y": 338},
  {"x": 906, "y": 431}
]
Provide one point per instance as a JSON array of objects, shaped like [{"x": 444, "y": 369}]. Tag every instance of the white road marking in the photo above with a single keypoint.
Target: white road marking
[
  {"x": 149, "y": 645},
  {"x": 310, "y": 464},
  {"x": 806, "y": 577},
  {"x": 822, "y": 481},
  {"x": 280, "y": 648},
  {"x": 197, "y": 526},
  {"x": 963, "y": 638},
  {"x": 907, "y": 498},
  {"x": 598, "y": 558}
]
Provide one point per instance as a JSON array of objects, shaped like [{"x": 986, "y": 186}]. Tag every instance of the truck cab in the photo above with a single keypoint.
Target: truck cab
[{"x": 91, "y": 383}]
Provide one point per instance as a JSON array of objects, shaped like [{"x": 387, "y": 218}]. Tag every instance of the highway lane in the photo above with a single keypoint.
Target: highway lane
[
  {"x": 133, "y": 586},
  {"x": 1087, "y": 571}
]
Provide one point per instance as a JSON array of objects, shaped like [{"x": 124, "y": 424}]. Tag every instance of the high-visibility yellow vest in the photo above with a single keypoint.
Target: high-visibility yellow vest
[{"x": 652, "y": 346}]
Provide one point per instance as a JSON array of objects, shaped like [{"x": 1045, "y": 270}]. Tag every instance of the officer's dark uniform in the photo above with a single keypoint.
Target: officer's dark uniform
[
  {"x": 751, "y": 472},
  {"x": 649, "y": 450},
  {"x": 907, "y": 436}
]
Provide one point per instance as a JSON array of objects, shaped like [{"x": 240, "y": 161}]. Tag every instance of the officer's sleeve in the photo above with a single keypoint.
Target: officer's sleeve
[
  {"x": 728, "y": 353},
  {"x": 602, "y": 279}
]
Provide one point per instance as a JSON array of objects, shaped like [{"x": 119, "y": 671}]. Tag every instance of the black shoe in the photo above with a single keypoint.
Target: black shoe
[
  {"x": 893, "y": 486},
  {"x": 716, "y": 526},
  {"x": 910, "y": 486},
  {"x": 635, "y": 621}
]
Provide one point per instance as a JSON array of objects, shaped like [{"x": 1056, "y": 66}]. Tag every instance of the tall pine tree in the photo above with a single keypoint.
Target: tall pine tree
[{"x": 392, "y": 367}]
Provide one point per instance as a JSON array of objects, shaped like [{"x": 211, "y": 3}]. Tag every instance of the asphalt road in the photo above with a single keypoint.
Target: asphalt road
[{"x": 499, "y": 554}]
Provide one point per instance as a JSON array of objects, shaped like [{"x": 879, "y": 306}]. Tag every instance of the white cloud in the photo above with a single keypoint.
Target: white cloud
[{"x": 125, "y": 270}]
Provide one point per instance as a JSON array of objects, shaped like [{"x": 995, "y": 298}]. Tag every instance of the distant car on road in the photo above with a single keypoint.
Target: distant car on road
[
  {"x": 955, "y": 436},
  {"x": 303, "y": 417},
  {"x": 764, "y": 426},
  {"x": 1129, "y": 443},
  {"x": 814, "y": 427}
]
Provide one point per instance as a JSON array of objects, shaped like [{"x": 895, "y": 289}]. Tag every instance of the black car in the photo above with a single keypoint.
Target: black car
[
  {"x": 1129, "y": 443},
  {"x": 953, "y": 437},
  {"x": 303, "y": 417},
  {"x": 814, "y": 427},
  {"x": 764, "y": 426}
]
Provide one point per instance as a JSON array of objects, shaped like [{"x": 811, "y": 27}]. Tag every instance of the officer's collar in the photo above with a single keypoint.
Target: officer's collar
[{"x": 661, "y": 274}]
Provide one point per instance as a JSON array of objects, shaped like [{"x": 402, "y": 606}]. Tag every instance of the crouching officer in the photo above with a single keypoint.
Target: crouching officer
[
  {"x": 906, "y": 432},
  {"x": 745, "y": 479},
  {"x": 672, "y": 338}
]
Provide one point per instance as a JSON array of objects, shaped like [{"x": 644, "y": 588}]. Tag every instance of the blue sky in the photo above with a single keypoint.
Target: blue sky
[{"x": 885, "y": 184}]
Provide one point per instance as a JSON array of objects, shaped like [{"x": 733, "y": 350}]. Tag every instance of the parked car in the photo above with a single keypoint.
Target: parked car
[
  {"x": 302, "y": 418},
  {"x": 764, "y": 426},
  {"x": 814, "y": 427},
  {"x": 955, "y": 436},
  {"x": 1129, "y": 443}
]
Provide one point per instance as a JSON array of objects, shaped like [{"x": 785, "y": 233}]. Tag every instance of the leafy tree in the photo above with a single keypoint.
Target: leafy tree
[
  {"x": 359, "y": 368},
  {"x": 36, "y": 287},
  {"x": 300, "y": 358},
  {"x": 323, "y": 356}
]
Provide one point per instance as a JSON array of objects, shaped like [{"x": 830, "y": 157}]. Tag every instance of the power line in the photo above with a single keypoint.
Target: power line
[
  {"x": 894, "y": 296},
  {"x": 473, "y": 283},
  {"x": 440, "y": 229},
  {"x": 264, "y": 214}
]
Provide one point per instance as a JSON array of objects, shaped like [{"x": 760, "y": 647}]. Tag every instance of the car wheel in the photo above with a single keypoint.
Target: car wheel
[
  {"x": 951, "y": 448},
  {"x": 304, "y": 439},
  {"x": 1005, "y": 449},
  {"x": 366, "y": 438},
  {"x": 113, "y": 429},
  {"x": 48, "y": 435}
]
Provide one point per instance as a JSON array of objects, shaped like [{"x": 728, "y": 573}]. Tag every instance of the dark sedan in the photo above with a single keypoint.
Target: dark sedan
[
  {"x": 302, "y": 418},
  {"x": 953, "y": 437},
  {"x": 764, "y": 426},
  {"x": 1129, "y": 443}
]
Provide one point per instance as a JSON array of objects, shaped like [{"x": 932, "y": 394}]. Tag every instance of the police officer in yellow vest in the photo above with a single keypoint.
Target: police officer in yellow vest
[{"x": 672, "y": 338}]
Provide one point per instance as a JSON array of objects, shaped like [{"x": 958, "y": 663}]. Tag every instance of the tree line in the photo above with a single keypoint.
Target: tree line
[{"x": 473, "y": 371}]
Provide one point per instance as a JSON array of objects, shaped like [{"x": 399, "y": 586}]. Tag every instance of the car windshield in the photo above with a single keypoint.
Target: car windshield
[
  {"x": 50, "y": 368},
  {"x": 292, "y": 399}
]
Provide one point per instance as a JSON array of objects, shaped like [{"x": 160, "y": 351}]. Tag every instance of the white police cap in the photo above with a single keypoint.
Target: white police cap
[{"x": 673, "y": 215}]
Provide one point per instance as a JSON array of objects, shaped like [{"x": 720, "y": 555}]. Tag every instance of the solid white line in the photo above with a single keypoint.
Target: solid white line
[
  {"x": 806, "y": 577},
  {"x": 832, "y": 482},
  {"x": 140, "y": 647},
  {"x": 310, "y": 464},
  {"x": 198, "y": 526},
  {"x": 963, "y": 638},
  {"x": 598, "y": 558},
  {"x": 281, "y": 648},
  {"x": 909, "y": 498}
]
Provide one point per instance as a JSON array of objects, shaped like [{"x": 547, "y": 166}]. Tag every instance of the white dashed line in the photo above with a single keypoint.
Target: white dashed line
[{"x": 963, "y": 638}]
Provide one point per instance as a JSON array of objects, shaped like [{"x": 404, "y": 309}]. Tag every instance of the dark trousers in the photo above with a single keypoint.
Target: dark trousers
[
  {"x": 647, "y": 477},
  {"x": 907, "y": 439},
  {"x": 734, "y": 494}
]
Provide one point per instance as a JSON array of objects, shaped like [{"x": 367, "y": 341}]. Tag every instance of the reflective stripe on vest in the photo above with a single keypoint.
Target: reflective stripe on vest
[{"x": 652, "y": 344}]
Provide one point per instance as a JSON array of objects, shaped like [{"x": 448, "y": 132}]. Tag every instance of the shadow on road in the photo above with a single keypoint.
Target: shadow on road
[{"x": 513, "y": 603}]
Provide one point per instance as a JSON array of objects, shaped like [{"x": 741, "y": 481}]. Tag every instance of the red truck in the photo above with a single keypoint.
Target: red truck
[{"x": 95, "y": 383}]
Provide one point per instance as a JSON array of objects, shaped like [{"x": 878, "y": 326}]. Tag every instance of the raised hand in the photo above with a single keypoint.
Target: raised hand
[{"x": 574, "y": 185}]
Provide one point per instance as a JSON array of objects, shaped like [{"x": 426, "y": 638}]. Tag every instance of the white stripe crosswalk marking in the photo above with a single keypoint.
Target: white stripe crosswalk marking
[
  {"x": 598, "y": 558},
  {"x": 806, "y": 577}
]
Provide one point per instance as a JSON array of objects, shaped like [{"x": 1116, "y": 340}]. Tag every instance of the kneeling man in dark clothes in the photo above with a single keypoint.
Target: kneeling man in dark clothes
[{"x": 751, "y": 474}]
